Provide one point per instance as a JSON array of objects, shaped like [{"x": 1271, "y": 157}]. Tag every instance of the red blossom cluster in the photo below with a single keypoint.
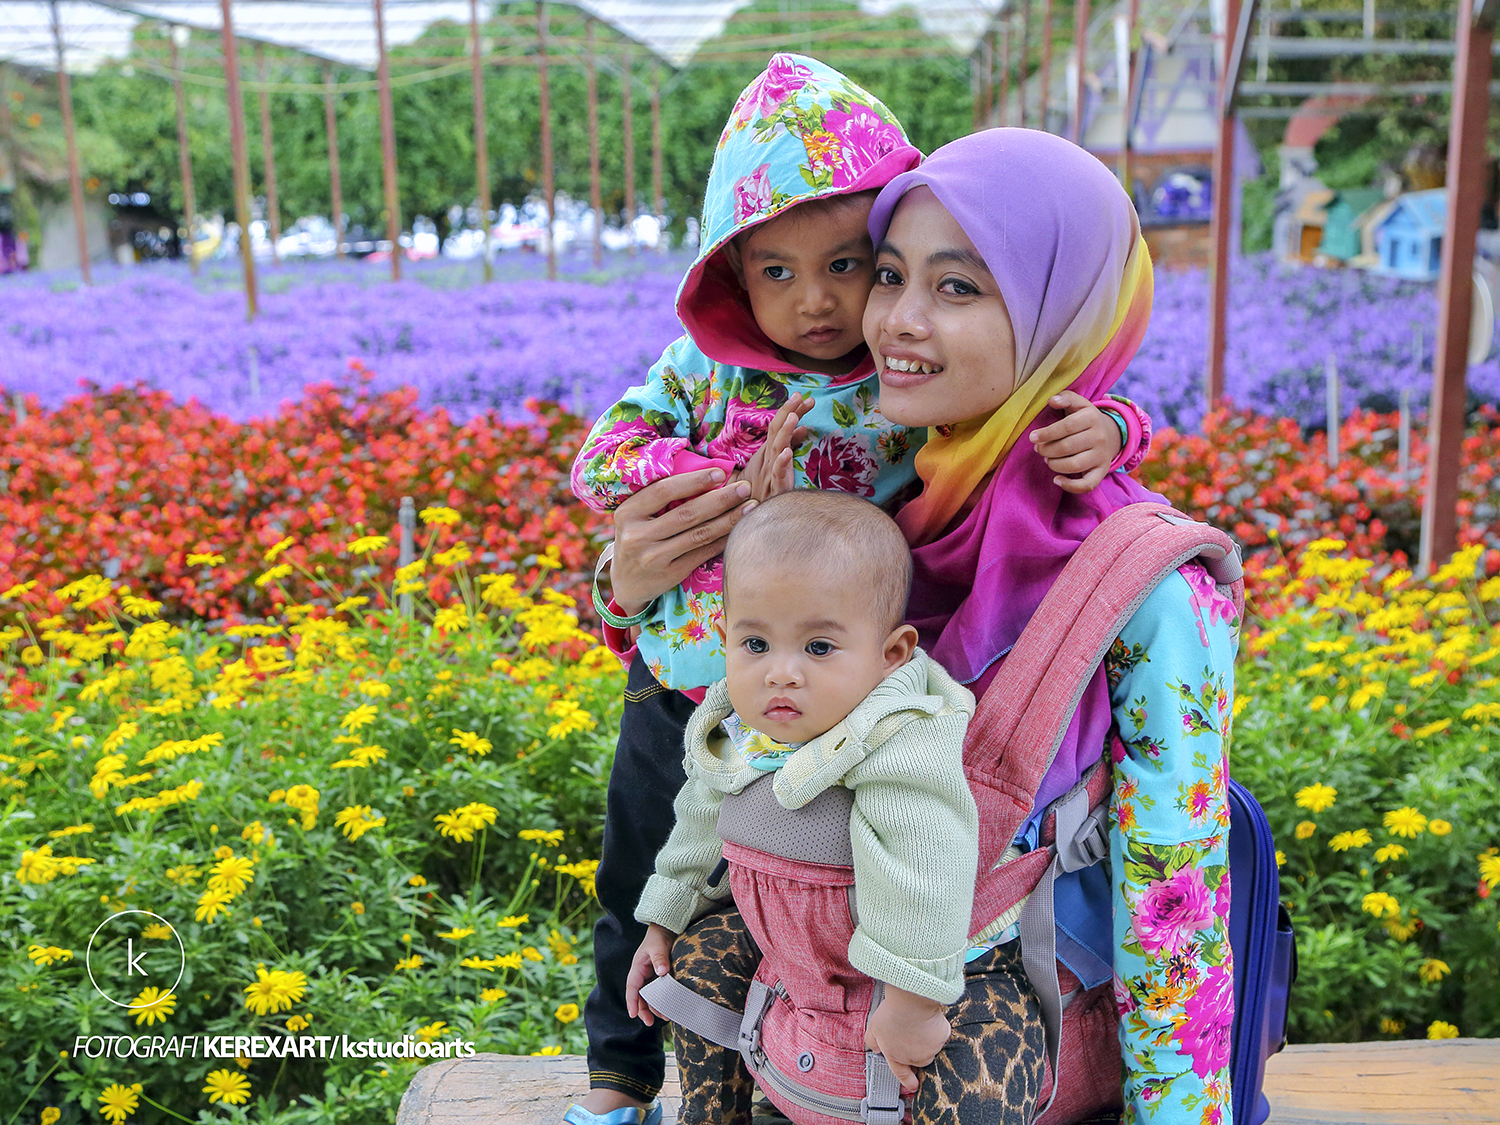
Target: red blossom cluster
[
  {"x": 1272, "y": 488},
  {"x": 127, "y": 482}
]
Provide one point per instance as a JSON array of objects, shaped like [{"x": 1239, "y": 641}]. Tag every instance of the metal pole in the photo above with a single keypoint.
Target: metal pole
[
  {"x": 1466, "y": 185},
  {"x": 1046, "y": 71},
  {"x": 1132, "y": 17},
  {"x": 184, "y": 150},
  {"x": 388, "y": 143},
  {"x": 273, "y": 208},
  {"x": 627, "y": 128},
  {"x": 1025, "y": 50},
  {"x": 331, "y": 124},
  {"x": 481, "y": 139},
  {"x": 1004, "y": 100},
  {"x": 237, "y": 153},
  {"x": 545, "y": 96},
  {"x": 976, "y": 88},
  {"x": 596, "y": 189},
  {"x": 1331, "y": 377},
  {"x": 1081, "y": 60},
  {"x": 1403, "y": 437},
  {"x": 75, "y": 177},
  {"x": 986, "y": 82},
  {"x": 1219, "y": 223},
  {"x": 658, "y": 199},
  {"x": 406, "y": 520}
]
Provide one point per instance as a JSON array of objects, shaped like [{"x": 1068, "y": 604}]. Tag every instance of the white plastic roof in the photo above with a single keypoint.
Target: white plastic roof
[{"x": 344, "y": 30}]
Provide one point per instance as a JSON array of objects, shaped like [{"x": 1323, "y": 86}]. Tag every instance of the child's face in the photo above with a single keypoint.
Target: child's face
[
  {"x": 808, "y": 274},
  {"x": 802, "y": 651}
]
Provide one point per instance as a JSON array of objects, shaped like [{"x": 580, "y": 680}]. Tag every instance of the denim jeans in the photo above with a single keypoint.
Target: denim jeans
[{"x": 625, "y": 1054}]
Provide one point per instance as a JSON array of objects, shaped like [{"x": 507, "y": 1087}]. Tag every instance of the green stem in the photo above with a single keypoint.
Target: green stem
[
  {"x": 27, "y": 1099},
  {"x": 165, "y": 1110}
]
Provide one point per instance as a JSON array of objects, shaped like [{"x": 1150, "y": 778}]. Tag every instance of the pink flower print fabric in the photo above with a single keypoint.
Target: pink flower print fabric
[
  {"x": 782, "y": 78},
  {"x": 752, "y": 194},
  {"x": 864, "y": 138},
  {"x": 1170, "y": 675}
]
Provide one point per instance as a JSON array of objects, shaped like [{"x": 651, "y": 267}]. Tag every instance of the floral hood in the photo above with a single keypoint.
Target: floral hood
[{"x": 800, "y": 131}]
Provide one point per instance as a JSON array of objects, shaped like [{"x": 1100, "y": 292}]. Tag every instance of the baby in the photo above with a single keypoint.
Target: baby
[{"x": 828, "y": 707}]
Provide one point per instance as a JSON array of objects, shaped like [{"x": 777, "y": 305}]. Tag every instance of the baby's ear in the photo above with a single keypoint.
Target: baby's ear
[{"x": 899, "y": 646}]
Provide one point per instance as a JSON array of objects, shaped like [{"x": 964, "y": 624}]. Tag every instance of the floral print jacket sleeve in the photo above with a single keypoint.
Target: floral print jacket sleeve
[{"x": 1171, "y": 678}]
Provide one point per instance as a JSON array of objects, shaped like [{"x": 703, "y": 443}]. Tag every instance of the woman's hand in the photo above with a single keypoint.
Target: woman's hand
[
  {"x": 653, "y": 959},
  {"x": 656, "y": 549},
  {"x": 1082, "y": 445},
  {"x": 909, "y": 1030}
]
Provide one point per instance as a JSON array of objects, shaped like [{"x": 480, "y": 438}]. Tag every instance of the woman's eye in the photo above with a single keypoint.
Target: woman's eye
[
  {"x": 778, "y": 273},
  {"x": 954, "y": 287},
  {"x": 843, "y": 265},
  {"x": 756, "y": 645},
  {"x": 885, "y": 275},
  {"x": 819, "y": 648}
]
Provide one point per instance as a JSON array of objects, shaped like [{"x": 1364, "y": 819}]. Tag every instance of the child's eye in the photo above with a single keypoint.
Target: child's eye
[
  {"x": 756, "y": 645},
  {"x": 778, "y": 273},
  {"x": 885, "y": 275},
  {"x": 843, "y": 265},
  {"x": 819, "y": 648}
]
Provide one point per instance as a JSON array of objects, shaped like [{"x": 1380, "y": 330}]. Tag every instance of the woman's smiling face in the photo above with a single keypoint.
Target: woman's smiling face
[{"x": 936, "y": 322}]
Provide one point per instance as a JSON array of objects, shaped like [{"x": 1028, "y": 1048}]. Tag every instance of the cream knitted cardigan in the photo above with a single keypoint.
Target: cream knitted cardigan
[{"x": 914, "y": 826}]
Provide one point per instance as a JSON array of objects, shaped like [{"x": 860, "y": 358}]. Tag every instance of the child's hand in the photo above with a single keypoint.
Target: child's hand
[
  {"x": 1083, "y": 445},
  {"x": 909, "y": 1030},
  {"x": 653, "y": 959},
  {"x": 769, "y": 471}
]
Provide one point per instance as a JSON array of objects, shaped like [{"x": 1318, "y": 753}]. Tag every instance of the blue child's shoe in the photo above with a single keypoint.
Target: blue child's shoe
[{"x": 626, "y": 1115}]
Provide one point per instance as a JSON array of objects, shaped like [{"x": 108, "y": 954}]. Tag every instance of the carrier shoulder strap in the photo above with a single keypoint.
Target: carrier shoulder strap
[{"x": 1020, "y": 722}]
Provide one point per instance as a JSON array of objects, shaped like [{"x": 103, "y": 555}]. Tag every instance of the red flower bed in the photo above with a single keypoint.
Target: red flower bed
[{"x": 127, "y": 482}]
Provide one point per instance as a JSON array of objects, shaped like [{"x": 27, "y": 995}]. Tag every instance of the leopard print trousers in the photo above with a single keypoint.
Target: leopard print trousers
[{"x": 990, "y": 1071}]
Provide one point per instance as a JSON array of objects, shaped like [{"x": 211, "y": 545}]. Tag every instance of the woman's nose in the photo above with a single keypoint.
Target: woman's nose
[{"x": 907, "y": 316}]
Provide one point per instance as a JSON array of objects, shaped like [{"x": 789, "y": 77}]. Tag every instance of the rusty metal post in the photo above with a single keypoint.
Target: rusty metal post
[
  {"x": 481, "y": 138},
  {"x": 627, "y": 129},
  {"x": 336, "y": 183},
  {"x": 237, "y": 153},
  {"x": 1081, "y": 62},
  {"x": 987, "y": 79},
  {"x": 1222, "y": 216},
  {"x": 184, "y": 150},
  {"x": 1472, "y": 65},
  {"x": 75, "y": 177},
  {"x": 388, "y": 143},
  {"x": 268, "y": 151},
  {"x": 1046, "y": 71},
  {"x": 1004, "y": 99},
  {"x": 596, "y": 188},
  {"x": 1132, "y": 17},
  {"x": 544, "y": 93},
  {"x": 1024, "y": 53},
  {"x": 658, "y": 199}
]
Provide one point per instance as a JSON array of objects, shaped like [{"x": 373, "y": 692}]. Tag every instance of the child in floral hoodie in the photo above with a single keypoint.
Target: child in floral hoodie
[{"x": 773, "y": 384}]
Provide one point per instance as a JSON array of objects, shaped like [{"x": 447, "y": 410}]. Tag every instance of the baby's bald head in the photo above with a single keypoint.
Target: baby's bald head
[{"x": 831, "y": 533}]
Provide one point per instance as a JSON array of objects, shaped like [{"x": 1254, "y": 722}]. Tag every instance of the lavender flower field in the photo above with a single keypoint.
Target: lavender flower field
[{"x": 470, "y": 347}]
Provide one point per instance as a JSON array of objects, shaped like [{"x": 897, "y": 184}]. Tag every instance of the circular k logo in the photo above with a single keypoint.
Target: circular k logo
[{"x": 132, "y": 951}]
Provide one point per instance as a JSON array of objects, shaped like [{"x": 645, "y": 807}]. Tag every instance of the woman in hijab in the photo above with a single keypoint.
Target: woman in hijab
[{"x": 1010, "y": 268}]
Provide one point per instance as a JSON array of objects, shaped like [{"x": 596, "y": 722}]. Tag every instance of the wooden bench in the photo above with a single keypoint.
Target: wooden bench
[{"x": 1448, "y": 1082}]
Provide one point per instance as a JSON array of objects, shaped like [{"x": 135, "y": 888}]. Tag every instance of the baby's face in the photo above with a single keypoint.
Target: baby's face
[
  {"x": 802, "y": 650},
  {"x": 808, "y": 275}
]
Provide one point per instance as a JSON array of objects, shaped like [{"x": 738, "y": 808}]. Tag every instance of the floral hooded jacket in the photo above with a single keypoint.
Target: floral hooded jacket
[{"x": 800, "y": 131}]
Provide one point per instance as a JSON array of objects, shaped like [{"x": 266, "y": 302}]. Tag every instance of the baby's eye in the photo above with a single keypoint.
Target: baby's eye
[
  {"x": 843, "y": 265},
  {"x": 820, "y": 648},
  {"x": 885, "y": 275},
  {"x": 756, "y": 645},
  {"x": 778, "y": 273}
]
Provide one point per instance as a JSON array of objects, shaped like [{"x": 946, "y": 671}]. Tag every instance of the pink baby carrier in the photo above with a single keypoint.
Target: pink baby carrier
[{"x": 802, "y": 1031}]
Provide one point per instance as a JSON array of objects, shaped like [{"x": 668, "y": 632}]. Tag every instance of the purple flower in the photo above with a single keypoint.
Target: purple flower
[
  {"x": 1205, "y": 1032},
  {"x": 1171, "y": 911},
  {"x": 865, "y": 138},
  {"x": 752, "y": 194}
]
